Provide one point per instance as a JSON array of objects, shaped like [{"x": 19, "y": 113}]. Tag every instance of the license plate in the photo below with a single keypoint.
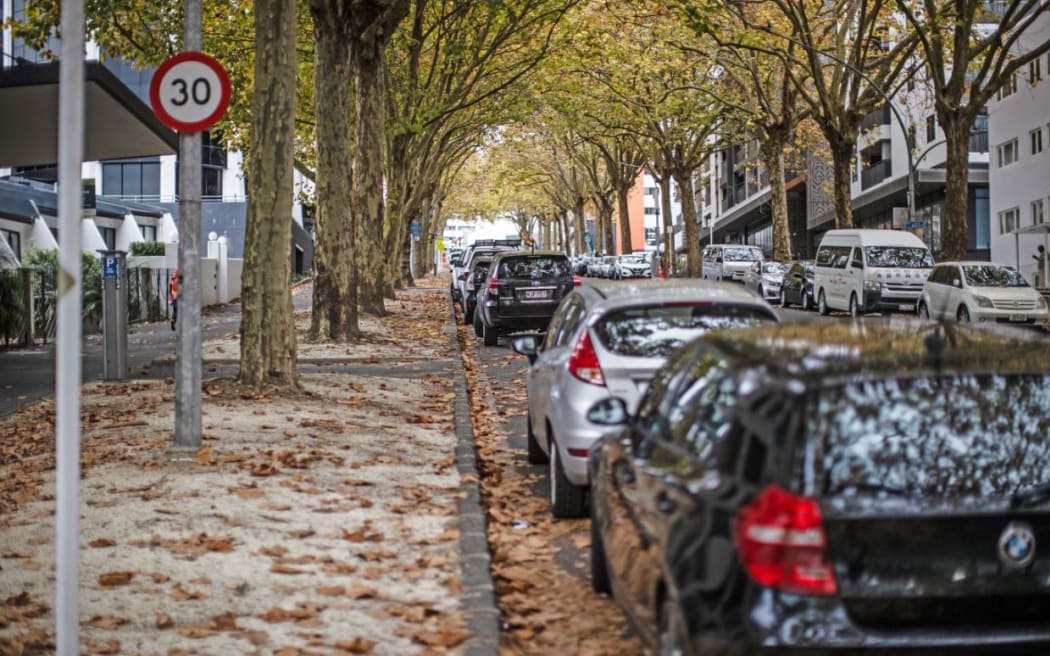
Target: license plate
[
  {"x": 1018, "y": 317},
  {"x": 536, "y": 294},
  {"x": 906, "y": 307}
]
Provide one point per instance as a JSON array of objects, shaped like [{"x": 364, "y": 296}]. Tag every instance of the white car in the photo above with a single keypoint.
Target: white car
[
  {"x": 635, "y": 265},
  {"x": 608, "y": 340},
  {"x": 765, "y": 278},
  {"x": 980, "y": 291}
]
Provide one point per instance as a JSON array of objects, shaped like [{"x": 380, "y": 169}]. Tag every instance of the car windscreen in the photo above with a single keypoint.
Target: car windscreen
[
  {"x": 904, "y": 257},
  {"x": 743, "y": 255},
  {"x": 657, "y": 330},
  {"x": 774, "y": 268},
  {"x": 937, "y": 438},
  {"x": 534, "y": 267},
  {"x": 635, "y": 259},
  {"x": 981, "y": 275}
]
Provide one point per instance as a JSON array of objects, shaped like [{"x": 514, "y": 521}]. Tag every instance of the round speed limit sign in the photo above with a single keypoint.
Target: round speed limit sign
[{"x": 190, "y": 92}]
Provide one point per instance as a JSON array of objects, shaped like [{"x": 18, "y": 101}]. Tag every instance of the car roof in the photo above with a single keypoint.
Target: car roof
[
  {"x": 973, "y": 263},
  {"x": 521, "y": 253},
  {"x": 826, "y": 353},
  {"x": 873, "y": 237},
  {"x": 610, "y": 294}
]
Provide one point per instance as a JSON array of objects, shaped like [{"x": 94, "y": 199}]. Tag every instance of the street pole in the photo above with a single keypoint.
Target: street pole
[
  {"x": 67, "y": 365},
  {"x": 188, "y": 340}
]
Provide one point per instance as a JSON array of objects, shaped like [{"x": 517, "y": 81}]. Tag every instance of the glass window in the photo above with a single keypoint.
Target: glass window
[
  {"x": 982, "y": 218},
  {"x": 657, "y": 330},
  {"x": 109, "y": 235},
  {"x": 1036, "y": 139},
  {"x": 1008, "y": 221},
  {"x": 743, "y": 254},
  {"x": 1008, "y": 153},
  {"x": 535, "y": 266},
  {"x": 14, "y": 240},
  {"x": 699, "y": 416},
  {"x": 898, "y": 257},
  {"x": 948, "y": 437},
  {"x": 149, "y": 233},
  {"x": 131, "y": 178},
  {"x": 1038, "y": 215},
  {"x": 833, "y": 256},
  {"x": 991, "y": 275}
]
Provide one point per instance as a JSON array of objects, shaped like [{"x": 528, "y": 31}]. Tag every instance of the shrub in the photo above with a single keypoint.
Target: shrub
[{"x": 147, "y": 248}]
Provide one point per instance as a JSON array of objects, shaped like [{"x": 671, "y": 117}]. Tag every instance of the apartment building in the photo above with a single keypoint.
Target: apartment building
[{"x": 1019, "y": 176}]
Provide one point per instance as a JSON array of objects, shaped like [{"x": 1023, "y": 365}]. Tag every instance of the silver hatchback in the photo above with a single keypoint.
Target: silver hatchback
[{"x": 608, "y": 340}]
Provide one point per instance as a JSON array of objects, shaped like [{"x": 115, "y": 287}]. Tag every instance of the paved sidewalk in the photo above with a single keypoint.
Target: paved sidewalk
[{"x": 343, "y": 519}]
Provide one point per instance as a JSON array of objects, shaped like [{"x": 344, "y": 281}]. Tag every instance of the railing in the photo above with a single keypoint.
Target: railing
[
  {"x": 880, "y": 116},
  {"x": 875, "y": 173}
]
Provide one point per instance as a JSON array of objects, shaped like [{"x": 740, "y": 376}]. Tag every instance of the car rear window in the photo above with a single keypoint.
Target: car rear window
[
  {"x": 937, "y": 438},
  {"x": 534, "y": 266},
  {"x": 657, "y": 330},
  {"x": 743, "y": 254}
]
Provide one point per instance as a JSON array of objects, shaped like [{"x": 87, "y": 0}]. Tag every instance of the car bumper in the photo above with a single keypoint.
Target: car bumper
[
  {"x": 880, "y": 301},
  {"x": 770, "y": 293},
  {"x": 1010, "y": 316}
]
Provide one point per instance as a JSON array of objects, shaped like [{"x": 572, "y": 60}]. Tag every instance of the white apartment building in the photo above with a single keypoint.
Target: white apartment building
[
  {"x": 1019, "y": 134},
  {"x": 652, "y": 212}
]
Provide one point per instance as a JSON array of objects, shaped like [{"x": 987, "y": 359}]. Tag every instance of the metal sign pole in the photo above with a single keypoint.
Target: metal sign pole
[
  {"x": 188, "y": 346},
  {"x": 67, "y": 365}
]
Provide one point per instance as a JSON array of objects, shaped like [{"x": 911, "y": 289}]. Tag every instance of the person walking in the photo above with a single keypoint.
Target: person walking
[
  {"x": 1041, "y": 272},
  {"x": 173, "y": 295}
]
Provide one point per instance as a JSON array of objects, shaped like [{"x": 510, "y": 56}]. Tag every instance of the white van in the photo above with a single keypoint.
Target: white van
[
  {"x": 729, "y": 261},
  {"x": 870, "y": 270}
]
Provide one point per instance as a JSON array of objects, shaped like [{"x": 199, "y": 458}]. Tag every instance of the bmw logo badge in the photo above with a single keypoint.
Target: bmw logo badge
[{"x": 1017, "y": 545}]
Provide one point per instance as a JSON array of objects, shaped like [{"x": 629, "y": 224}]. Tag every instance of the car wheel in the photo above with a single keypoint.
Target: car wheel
[
  {"x": 599, "y": 567},
  {"x": 761, "y": 293},
  {"x": 477, "y": 323},
  {"x": 535, "y": 451},
  {"x": 488, "y": 334},
  {"x": 822, "y": 305},
  {"x": 963, "y": 315},
  {"x": 923, "y": 311},
  {"x": 806, "y": 305},
  {"x": 566, "y": 499},
  {"x": 783, "y": 299},
  {"x": 673, "y": 637},
  {"x": 854, "y": 307}
]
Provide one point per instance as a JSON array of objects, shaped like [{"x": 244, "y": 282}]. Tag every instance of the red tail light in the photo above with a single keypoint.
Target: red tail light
[
  {"x": 493, "y": 284},
  {"x": 576, "y": 281},
  {"x": 781, "y": 543},
  {"x": 583, "y": 363}
]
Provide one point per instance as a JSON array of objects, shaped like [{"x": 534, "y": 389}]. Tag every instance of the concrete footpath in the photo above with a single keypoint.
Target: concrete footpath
[{"x": 342, "y": 518}]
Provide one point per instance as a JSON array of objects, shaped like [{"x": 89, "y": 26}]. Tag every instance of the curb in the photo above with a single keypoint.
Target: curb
[{"x": 479, "y": 591}]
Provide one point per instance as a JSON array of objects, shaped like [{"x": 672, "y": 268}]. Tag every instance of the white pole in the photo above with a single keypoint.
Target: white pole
[{"x": 67, "y": 365}]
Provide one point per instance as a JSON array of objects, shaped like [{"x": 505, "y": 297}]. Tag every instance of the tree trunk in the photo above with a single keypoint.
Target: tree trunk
[
  {"x": 841, "y": 160},
  {"x": 268, "y": 340},
  {"x": 335, "y": 289},
  {"x": 669, "y": 261},
  {"x": 580, "y": 221},
  {"x": 954, "y": 226},
  {"x": 684, "y": 180},
  {"x": 367, "y": 63},
  {"x": 773, "y": 153},
  {"x": 625, "y": 219},
  {"x": 608, "y": 236}
]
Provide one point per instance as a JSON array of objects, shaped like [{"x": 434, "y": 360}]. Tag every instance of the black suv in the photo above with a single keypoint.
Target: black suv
[
  {"x": 521, "y": 293},
  {"x": 833, "y": 489}
]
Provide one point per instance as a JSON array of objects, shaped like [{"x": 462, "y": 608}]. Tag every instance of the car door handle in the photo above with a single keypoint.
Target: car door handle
[{"x": 664, "y": 504}]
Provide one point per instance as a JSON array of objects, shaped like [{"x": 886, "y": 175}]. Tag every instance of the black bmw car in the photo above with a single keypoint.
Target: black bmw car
[
  {"x": 522, "y": 291},
  {"x": 797, "y": 286},
  {"x": 832, "y": 489}
]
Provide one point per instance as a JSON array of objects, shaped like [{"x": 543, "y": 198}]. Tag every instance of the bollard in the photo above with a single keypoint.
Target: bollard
[{"x": 115, "y": 314}]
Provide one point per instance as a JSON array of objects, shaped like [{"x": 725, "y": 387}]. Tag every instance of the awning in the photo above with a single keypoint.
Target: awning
[{"x": 117, "y": 123}]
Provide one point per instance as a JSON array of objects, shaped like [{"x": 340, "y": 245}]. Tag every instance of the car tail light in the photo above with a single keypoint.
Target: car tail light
[
  {"x": 781, "y": 543},
  {"x": 583, "y": 363},
  {"x": 493, "y": 284},
  {"x": 576, "y": 281}
]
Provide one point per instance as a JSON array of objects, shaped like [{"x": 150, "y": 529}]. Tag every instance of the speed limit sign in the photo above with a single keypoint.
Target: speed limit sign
[{"x": 190, "y": 92}]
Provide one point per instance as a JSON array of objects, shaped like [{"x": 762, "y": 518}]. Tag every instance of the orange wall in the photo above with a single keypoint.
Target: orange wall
[{"x": 636, "y": 215}]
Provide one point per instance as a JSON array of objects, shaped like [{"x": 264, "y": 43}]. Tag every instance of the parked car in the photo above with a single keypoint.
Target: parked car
[
  {"x": 862, "y": 271},
  {"x": 764, "y": 278},
  {"x": 634, "y": 265},
  {"x": 728, "y": 261},
  {"x": 797, "y": 287},
  {"x": 807, "y": 489},
  {"x": 595, "y": 265},
  {"x": 609, "y": 339},
  {"x": 522, "y": 291},
  {"x": 980, "y": 291},
  {"x": 462, "y": 275},
  {"x": 479, "y": 271}
]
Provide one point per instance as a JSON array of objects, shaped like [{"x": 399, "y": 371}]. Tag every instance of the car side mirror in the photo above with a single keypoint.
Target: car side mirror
[
  {"x": 608, "y": 412},
  {"x": 526, "y": 346}
]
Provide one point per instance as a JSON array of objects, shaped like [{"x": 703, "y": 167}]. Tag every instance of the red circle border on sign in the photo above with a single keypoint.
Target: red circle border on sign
[{"x": 224, "y": 92}]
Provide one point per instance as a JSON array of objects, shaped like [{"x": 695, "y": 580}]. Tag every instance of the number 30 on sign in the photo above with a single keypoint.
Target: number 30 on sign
[{"x": 190, "y": 92}]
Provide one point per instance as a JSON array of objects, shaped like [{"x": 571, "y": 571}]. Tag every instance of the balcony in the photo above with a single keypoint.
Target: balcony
[
  {"x": 880, "y": 116},
  {"x": 875, "y": 173}
]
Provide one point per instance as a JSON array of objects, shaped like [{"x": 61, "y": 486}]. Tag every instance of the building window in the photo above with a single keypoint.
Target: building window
[
  {"x": 650, "y": 211},
  {"x": 109, "y": 235},
  {"x": 1008, "y": 221},
  {"x": 1035, "y": 71},
  {"x": 1038, "y": 215},
  {"x": 213, "y": 165},
  {"x": 14, "y": 240},
  {"x": 931, "y": 129},
  {"x": 1009, "y": 86},
  {"x": 1008, "y": 153},
  {"x": 1036, "y": 137},
  {"x": 650, "y": 235},
  {"x": 149, "y": 233},
  {"x": 132, "y": 178}
]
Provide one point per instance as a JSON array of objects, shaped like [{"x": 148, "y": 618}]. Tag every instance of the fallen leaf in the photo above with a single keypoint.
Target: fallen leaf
[
  {"x": 164, "y": 621},
  {"x": 101, "y": 543},
  {"x": 111, "y": 579},
  {"x": 204, "y": 456},
  {"x": 106, "y": 621},
  {"x": 356, "y": 646}
]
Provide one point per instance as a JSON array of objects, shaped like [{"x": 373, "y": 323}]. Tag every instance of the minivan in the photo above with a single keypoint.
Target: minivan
[
  {"x": 729, "y": 261},
  {"x": 870, "y": 271}
]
